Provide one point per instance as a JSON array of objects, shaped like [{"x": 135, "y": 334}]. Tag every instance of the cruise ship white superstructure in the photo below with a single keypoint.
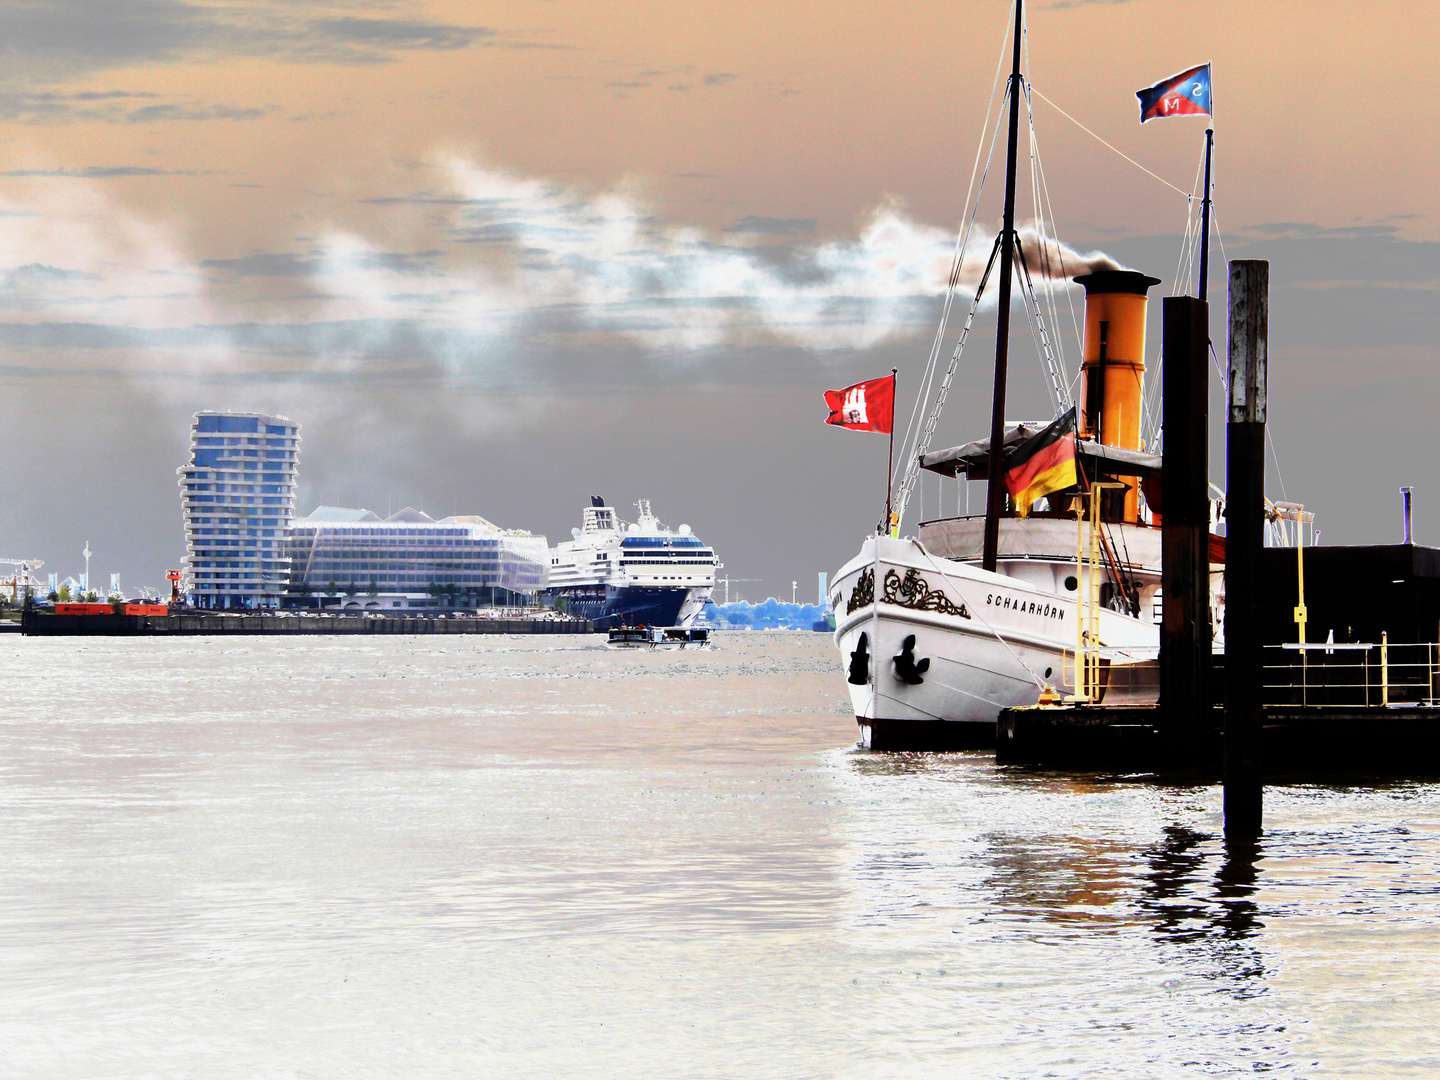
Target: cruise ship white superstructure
[{"x": 631, "y": 574}]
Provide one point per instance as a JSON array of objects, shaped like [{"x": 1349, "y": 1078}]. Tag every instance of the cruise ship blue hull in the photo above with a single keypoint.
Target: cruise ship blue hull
[{"x": 630, "y": 606}]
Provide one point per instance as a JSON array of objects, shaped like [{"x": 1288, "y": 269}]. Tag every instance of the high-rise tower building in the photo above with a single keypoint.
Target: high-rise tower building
[{"x": 238, "y": 495}]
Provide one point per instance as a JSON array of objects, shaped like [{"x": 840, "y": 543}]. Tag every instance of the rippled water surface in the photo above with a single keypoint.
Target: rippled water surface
[{"x": 508, "y": 857}]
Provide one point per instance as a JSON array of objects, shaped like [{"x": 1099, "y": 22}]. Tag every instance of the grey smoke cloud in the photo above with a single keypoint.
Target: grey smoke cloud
[{"x": 499, "y": 265}]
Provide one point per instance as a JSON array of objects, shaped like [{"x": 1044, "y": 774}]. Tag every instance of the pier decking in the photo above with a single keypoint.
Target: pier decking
[{"x": 1296, "y": 740}]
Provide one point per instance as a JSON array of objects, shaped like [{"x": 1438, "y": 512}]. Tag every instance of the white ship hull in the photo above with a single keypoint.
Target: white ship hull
[{"x": 992, "y": 640}]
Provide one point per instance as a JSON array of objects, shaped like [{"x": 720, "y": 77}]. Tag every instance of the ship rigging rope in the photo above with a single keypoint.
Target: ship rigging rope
[
  {"x": 1059, "y": 385},
  {"x": 961, "y": 241},
  {"x": 1117, "y": 150},
  {"x": 1043, "y": 187},
  {"x": 912, "y": 472},
  {"x": 1045, "y": 208},
  {"x": 1052, "y": 359},
  {"x": 1152, "y": 430},
  {"x": 1056, "y": 382},
  {"x": 976, "y": 612},
  {"x": 923, "y": 436}
]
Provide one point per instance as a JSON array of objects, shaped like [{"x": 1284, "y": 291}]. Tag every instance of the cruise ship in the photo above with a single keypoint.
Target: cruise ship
[{"x": 623, "y": 574}]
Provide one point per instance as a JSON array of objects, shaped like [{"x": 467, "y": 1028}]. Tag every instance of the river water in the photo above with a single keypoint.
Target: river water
[{"x": 512, "y": 857}]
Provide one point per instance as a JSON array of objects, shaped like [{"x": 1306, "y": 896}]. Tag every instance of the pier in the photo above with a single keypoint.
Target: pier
[
  {"x": 1296, "y": 742},
  {"x": 1363, "y": 700}
]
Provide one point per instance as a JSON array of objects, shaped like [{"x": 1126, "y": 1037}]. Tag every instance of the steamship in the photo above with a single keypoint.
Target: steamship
[
  {"x": 935, "y": 645},
  {"x": 939, "y": 632},
  {"x": 631, "y": 574}
]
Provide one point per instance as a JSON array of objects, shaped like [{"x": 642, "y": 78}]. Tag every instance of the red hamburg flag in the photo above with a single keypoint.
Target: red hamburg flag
[{"x": 866, "y": 406}]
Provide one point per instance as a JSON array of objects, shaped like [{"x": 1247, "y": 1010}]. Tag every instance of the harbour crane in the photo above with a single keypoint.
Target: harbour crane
[
  {"x": 738, "y": 580},
  {"x": 21, "y": 577}
]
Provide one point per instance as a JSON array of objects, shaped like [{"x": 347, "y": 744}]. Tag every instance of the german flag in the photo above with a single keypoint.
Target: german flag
[{"x": 1042, "y": 464}]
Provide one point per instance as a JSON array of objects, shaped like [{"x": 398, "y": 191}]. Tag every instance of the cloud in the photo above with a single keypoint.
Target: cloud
[
  {"x": 1310, "y": 230},
  {"x": 399, "y": 33},
  {"x": 283, "y": 265},
  {"x": 56, "y": 39},
  {"x": 83, "y": 259},
  {"x": 152, "y": 113},
  {"x": 551, "y": 262},
  {"x": 96, "y": 172},
  {"x": 1065, "y": 5},
  {"x": 720, "y": 78},
  {"x": 767, "y": 226},
  {"x": 36, "y": 285},
  {"x": 473, "y": 277},
  {"x": 112, "y": 106},
  {"x": 264, "y": 264}
]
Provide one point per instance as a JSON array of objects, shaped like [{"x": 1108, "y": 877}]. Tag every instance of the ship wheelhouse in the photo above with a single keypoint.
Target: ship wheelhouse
[{"x": 1041, "y": 548}]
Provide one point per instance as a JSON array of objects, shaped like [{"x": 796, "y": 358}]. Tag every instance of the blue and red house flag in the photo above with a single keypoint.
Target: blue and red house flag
[{"x": 1186, "y": 94}]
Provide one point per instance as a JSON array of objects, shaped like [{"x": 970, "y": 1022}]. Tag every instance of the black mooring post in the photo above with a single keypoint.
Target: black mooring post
[
  {"x": 1244, "y": 540},
  {"x": 1185, "y": 632},
  {"x": 1204, "y": 290}
]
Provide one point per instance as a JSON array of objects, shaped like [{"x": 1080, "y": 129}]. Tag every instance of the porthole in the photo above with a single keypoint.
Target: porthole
[
  {"x": 1071, "y": 584},
  {"x": 1048, "y": 671}
]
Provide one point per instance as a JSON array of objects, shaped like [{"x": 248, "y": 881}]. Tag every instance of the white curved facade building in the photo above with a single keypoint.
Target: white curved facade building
[{"x": 343, "y": 558}]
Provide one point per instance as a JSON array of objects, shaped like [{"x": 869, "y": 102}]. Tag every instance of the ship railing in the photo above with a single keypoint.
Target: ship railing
[
  {"x": 1111, "y": 670},
  {"x": 1352, "y": 674}
]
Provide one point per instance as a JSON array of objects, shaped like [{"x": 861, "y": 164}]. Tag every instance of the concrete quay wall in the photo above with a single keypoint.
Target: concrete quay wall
[{"x": 45, "y": 624}]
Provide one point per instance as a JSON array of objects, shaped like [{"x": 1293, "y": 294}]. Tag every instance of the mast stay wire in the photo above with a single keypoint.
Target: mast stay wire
[
  {"x": 1122, "y": 153},
  {"x": 1153, "y": 436},
  {"x": 922, "y": 436},
  {"x": 1060, "y": 388},
  {"x": 1060, "y": 254},
  {"x": 962, "y": 240},
  {"x": 1153, "y": 425},
  {"x": 1052, "y": 358},
  {"x": 1055, "y": 374},
  {"x": 1187, "y": 259},
  {"x": 912, "y": 472},
  {"x": 1046, "y": 209}
]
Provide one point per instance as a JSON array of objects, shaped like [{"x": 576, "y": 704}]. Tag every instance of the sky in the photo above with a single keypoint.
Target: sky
[{"x": 498, "y": 257}]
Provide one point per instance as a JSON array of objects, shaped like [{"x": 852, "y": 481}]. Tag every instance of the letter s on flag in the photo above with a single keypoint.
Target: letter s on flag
[{"x": 866, "y": 406}]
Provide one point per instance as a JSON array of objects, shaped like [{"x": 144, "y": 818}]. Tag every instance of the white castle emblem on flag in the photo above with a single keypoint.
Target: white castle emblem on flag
[{"x": 854, "y": 407}]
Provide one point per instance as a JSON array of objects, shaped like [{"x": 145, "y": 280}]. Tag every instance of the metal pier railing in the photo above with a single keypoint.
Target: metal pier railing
[{"x": 1365, "y": 674}]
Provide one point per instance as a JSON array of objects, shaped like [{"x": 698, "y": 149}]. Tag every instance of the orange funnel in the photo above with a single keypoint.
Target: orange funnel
[{"x": 1113, "y": 377}]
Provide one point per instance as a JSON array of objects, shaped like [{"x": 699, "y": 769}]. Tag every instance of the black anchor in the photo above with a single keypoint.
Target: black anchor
[
  {"x": 860, "y": 662},
  {"x": 907, "y": 670}
]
